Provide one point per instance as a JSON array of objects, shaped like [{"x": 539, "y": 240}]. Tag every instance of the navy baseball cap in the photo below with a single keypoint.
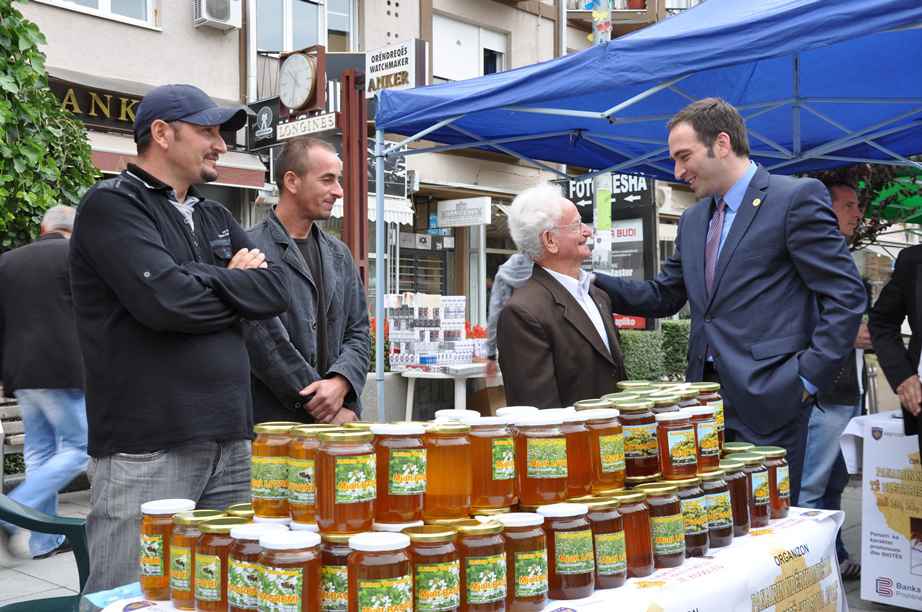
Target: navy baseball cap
[{"x": 185, "y": 103}]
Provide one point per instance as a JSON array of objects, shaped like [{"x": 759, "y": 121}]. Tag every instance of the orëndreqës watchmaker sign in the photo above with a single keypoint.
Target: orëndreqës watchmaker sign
[{"x": 400, "y": 66}]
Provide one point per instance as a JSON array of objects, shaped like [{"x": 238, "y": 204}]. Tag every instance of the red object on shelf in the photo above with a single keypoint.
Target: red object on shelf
[{"x": 637, "y": 4}]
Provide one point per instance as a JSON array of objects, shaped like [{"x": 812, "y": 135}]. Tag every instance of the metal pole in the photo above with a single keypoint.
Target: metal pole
[{"x": 379, "y": 271}]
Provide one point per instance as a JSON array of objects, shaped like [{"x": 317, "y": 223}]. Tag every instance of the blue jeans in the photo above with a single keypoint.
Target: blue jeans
[
  {"x": 54, "y": 453},
  {"x": 213, "y": 474}
]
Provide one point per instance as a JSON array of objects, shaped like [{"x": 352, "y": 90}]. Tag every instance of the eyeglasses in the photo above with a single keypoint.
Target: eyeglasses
[{"x": 576, "y": 226}]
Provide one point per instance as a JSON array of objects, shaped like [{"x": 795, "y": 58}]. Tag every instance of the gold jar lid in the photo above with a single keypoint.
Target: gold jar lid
[
  {"x": 346, "y": 436},
  {"x": 712, "y": 474},
  {"x": 245, "y": 510},
  {"x": 633, "y": 384},
  {"x": 490, "y": 511},
  {"x": 611, "y": 503},
  {"x": 591, "y": 404},
  {"x": 360, "y": 426},
  {"x": 582, "y": 499},
  {"x": 194, "y": 517},
  {"x": 481, "y": 528},
  {"x": 222, "y": 525},
  {"x": 770, "y": 452},
  {"x": 688, "y": 393},
  {"x": 686, "y": 482},
  {"x": 448, "y": 427},
  {"x": 336, "y": 538},
  {"x": 278, "y": 427},
  {"x": 312, "y": 431},
  {"x": 731, "y": 465},
  {"x": 664, "y": 400},
  {"x": 634, "y": 481},
  {"x": 706, "y": 387},
  {"x": 620, "y": 395},
  {"x": 633, "y": 405},
  {"x": 447, "y": 522},
  {"x": 659, "y": 488},
  {"x": 738, "y": 447},
  {"x": 431, "y": 533},
  {"x": 747, "y": 458},
  {"x": 631, "y": 497}
]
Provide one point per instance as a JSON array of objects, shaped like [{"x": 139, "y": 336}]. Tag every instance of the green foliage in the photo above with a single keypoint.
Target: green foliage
[
  {"x": 44, "y": 154},
  {"x": 675, "y": 347},
  {"x": 643, "y": 354},
  {"x": 14, "y": 464}
]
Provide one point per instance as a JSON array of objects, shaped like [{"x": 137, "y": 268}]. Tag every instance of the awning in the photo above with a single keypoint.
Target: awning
[
  {"x": 112, "y": 152},
  {"x": 396, "y": 209}
]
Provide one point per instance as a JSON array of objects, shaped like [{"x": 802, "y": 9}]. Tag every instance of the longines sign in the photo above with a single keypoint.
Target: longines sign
[{"x": 97, "y": 107}]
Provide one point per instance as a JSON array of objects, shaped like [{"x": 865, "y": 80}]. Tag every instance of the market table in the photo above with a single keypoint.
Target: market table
[
  {"x": 791, "y": 564},
  {"x": 460, "y": 386},
  {"x": 891, "y": 507}
]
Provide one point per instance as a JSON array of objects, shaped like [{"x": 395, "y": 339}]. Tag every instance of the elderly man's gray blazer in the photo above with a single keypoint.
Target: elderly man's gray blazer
[{"x": 283, "y": 350}]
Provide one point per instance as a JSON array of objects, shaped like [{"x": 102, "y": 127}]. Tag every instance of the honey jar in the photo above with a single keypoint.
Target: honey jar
[{"x": 156, "y": 530}]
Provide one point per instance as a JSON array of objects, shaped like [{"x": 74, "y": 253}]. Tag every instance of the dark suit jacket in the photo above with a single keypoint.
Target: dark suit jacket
[
  {"x": 787, "y": 298},
  {"x": 549, "y": 351},
  {"x": 37, "y": 331},
  {"x": 283, "y": 350},
  {"x": 900, "y": 298}
]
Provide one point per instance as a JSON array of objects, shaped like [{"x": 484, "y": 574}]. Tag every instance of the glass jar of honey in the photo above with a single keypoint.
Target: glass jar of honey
[
  {"x": 641, "y": 452},
  {"x": 269, "y": 470},
  {"x": 571, "y": 559},
  {"x": 759, "y": 494},
  {"x": 289, "y": 577},
  {"x": 738, "y": 486},
  {"x": 401, "y": 468},
  {"x": 606, "y": 450},
  {"x": 694, "y": 515},
  {"x": 575, "y": 429},
  {"x": 638, "y": 539},
  {"x": 730, "y": 448},
  {"x": 436, "y": 567},
  {"x": 243, "y": 565},
  {"x": 448, "y": 471},
  {"x": 302, "y": 482},
  {"x": 156, "y": 531},
  {"x": 608, "y": 543},
  {"x": 526, "y": 561},
  {"x": 719, "y": 508},
  {"x": 182, "y": 555},
  {"x": 678, "y": 448},
  {"x": 492, "y": 464},
  {"x": 664, "y": 402},
  {"x": 779, "y": 480},
  {"x": 380, "y": 569},
  {"x": 541, "y": 460},
  {"x": 667, "y": 525},
  {"x": 211, "y": 557},
  {"x": 346, "y": 473},
  {"x": 709, "y": 395},
  {"x": 688, "y": 397},
  {"x": 706, "y": 434},
  {"x": 244, "y": 510},
  {"x": 483, "y": 566},
  {"x": 334, "y": 572}
]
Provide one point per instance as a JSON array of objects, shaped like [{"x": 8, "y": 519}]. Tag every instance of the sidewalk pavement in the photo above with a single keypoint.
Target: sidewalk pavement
[{"x": 57, "y": 575}]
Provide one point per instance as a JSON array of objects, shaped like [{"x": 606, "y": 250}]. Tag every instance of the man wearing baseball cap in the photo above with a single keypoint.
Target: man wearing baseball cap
[{"x": 163, "y": 280}]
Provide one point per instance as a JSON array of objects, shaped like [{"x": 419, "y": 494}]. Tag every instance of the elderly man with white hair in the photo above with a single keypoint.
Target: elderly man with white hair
[
  {"x": 43, "y": 369},
  {"x": 556, "y": 337}
]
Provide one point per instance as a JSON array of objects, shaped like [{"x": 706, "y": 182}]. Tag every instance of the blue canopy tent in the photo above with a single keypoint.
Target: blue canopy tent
[{"x": 821, "y": 83}]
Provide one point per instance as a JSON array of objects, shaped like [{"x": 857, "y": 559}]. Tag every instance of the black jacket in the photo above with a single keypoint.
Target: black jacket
[
  {"x": 158, "y": 317},
  {"x": 37, "y": 332}
]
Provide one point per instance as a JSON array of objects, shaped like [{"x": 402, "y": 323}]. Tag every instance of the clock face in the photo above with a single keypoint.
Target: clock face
[{"x": 296, "y": 81}]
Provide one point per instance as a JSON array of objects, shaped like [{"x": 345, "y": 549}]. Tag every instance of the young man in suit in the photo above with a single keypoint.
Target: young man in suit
[
  {"x": 775, "y": 297},
  {"x": 556, "y": 337}
]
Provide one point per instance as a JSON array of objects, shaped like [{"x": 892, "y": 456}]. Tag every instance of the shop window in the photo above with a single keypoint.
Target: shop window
[
  {"x": 141, "y": 11},
  {"x": 464, "y": 51},
  {"x": 286, "y": 25}
]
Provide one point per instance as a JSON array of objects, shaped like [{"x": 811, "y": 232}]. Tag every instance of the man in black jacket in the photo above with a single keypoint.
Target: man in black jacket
[
  {"x": 43, "y": 370},
  {"x": 162, "y": 279}
]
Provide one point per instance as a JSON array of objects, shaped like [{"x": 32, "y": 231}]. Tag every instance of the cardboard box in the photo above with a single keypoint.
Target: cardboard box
[{"x": 486, "y": 400}]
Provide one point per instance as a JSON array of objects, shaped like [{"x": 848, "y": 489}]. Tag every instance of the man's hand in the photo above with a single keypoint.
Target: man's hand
[
  {"x": 328, "y": 395},
  {"x": 910, "y": 392},
  {"x": 863, "y": 339},
  {"x": 245, "y": 259},
  {"x": 344, "y": 416}
]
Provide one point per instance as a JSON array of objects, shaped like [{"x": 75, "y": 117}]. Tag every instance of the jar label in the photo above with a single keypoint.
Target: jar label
[
  {"x": 503, "y": 459},
  {"x": 784, "y": 482},
  {"x": 611, "y": 449},
  {"x": 438, "y": 586},
  {"x": 355, "y": 479},
  {"x": 208, "y": 577},
  {"x": 547, "y": 458},
  {"x": 391, "y": 594},
  {"x": 407, "y": 471},
  {"x": 695, "y": 515},
  {"x": 573, "y": 552},
  {"x": 760, "y": 493},
  {"x": 610, "y": 555},
  {"x": 334, "y": 588},
  {"x": 180, "y": 568},
  {"x": 151, "y": 556},
  {"x": 301, "y": 487},
  {"x": 718, "y": 413},
  {"x": 682, "y": 450},
  {"x": 640, "y": 441},
  {"x": 269, "y": 477},
  {"x": 668, "y": 534},
  {"x": 719, "y": 510},
  {"x": 280, "y": 589},
  {"x": 708, "y": 440},
  {"x": 242, "y": 584},
  {"x": 486, "y": 579},
  {"x": 531, "y": 573}
]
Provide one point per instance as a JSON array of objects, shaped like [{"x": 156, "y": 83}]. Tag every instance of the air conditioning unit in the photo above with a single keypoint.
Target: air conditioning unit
[{"x": 220, "y": 14}]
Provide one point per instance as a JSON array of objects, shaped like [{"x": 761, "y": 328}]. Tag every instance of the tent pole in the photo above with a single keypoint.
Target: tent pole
[
  {"x": 480, "y": 143},
  {"x": 795, "y": 108},
  {"x": 419, "y": 135},
  {"x": 620, "y": 152},
  {"x": 509, "y": 151},
  {"x": 379, "y": 271},
  {"x": 642, "y": 96}
]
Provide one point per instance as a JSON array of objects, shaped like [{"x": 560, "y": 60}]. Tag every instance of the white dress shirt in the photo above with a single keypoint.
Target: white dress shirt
[{"x": 579, "y": 289}]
